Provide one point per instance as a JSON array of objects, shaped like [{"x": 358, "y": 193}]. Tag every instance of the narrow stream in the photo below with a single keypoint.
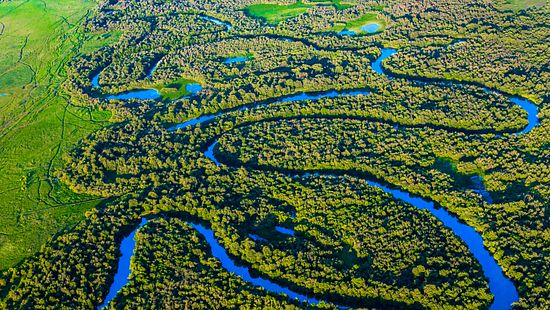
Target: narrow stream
[
  {"x": 217, "y": 21},
  {"x": 153, "y": 69},
  {"x": 236, "y": 60},
  {"x": 289, "y": 98},
  {"x": 219, "y": 252}
]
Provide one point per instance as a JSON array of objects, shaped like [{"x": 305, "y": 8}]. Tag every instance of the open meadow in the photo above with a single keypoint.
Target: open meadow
[{"x": 38, "y": 123}]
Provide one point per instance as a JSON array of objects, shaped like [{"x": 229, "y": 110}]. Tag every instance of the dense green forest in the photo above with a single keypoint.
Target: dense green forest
[{"x": 427, "y": 125}]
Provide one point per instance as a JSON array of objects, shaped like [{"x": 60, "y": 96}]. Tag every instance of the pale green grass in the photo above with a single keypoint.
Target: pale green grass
[
  {"x": 37, "y": 125},
  {"x": 517, "y": 5},
  {"x": 275, "y": 13},
  {"x": 356, "y": 24},
  {"x": 100, "y": 39}
]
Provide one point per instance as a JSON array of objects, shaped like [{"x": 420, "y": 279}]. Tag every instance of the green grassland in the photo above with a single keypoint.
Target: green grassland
[
  {"x": 98, "y": 40},
  {"x": 517, "y": 5},
  {"x": 275, "y": 13},
  {"x": 175, "y": 90},
  {"x": 38, "y": 123},
  {"x": 338, "y": 5},
  {"x": 356, "y": 24}
]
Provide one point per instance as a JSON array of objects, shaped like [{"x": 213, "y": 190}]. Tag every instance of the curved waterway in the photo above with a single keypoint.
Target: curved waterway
[
  {"x": 217, "y": 21},
  {"x": 122, "y": 275},
  {"x": 153, "y": 69},
  {"x": 141, "y": 94},
  {"x": 501, "y": 287},
  {"x": 290, "y": 98},
  {"x": 219, "y": 252},
  {"x": 525, "y": 104}
]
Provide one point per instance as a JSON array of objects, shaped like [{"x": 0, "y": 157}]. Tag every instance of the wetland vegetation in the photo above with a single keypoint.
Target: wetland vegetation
[{"x": 279, "y": 158}]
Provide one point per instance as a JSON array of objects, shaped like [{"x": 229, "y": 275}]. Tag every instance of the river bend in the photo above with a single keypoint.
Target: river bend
[{"x": 501, "y": 287}]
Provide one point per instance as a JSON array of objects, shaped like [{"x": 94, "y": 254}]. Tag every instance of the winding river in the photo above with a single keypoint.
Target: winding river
[
  {"x": 127, "y": 247},
  {"x": 229, "y": 264},
  {"x": 501, "y": 287}
]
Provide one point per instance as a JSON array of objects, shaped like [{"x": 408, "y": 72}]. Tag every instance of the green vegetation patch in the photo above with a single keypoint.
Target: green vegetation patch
[
  {"x": 357, "y": 24},
  {"x": 275, "y": 13},
  {"x": 175, "y": 90},
  {"x": 517, "y": 5},
  {"x": 338, "y": 5}
]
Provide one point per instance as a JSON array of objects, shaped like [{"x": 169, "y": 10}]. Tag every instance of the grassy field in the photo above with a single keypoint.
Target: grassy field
[
  {"x": 275, "y": 13},
  {"x": 37, "y": 123},
  {"x": 517, "y": 5},
  {"x": 356, "y": 24}
]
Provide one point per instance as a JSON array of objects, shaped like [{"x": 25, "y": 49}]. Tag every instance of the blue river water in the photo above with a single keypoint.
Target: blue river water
[
  {"x": 219, "y": 252},
  {"x": 153, "y": 69},
  {"x": 217, "y": 21},
  {"x": 140, "y": 94},
  {"x": 347, "y": 33},
  {"x": 127, "y": 247},
  {"x": 235, "y": 59},
  {"x": 532, "y": 113},
  {"x": 95, "y": 81},
  {"x": 501, "y": 287},
  {"x": 284, "y": 230},
  {"x": 290, "y": 98},
  {"x": 210, "y": 153},
  {"x": 377, "y": 64},
  {"x": 528, "y": 106},
  {"x": 144, "y": 94}
]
